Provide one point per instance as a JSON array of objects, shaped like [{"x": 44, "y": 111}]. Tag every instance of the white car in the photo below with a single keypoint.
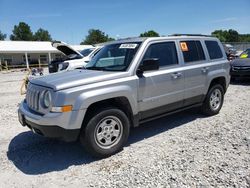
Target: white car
[{"x": 74, "y": 60}]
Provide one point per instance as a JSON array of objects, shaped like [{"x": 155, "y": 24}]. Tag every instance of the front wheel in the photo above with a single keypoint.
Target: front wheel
[
  {"x": 106, "y": 132},
  {"x": 214, "y": 100}
]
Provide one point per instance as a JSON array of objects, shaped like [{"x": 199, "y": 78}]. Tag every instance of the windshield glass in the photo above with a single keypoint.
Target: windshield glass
[
  {"x": 86, "y": 52},
  {"x": 114, "y": 57}
]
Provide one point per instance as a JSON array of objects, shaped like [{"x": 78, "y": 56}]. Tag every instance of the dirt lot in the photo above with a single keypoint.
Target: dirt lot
[{"x": 182, "y": 150}]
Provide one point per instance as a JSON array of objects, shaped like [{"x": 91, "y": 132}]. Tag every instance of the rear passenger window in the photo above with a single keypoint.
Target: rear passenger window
[
  {"x": 165, "y": 52},
  {"x": 214, "y": 50},
  {"x": 192, "y": 51}
]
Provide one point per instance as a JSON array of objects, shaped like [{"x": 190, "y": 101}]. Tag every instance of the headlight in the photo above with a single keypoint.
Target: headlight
[{"x": 47, "y": 99}]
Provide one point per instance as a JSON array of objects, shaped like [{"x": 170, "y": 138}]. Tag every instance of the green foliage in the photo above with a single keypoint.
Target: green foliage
[
  {"x": 231, "y": 36},
  {"x": 42, "y": 35},
  {"x": 22, "y": 31},
  {"x": 2, "y": 36},
  {"x": 150, "y": 33},
  {"x": 244, "y": 38},
  {"x": 96, "y": 36}
]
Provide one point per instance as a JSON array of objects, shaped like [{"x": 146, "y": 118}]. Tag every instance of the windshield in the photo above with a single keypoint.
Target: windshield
[
  {"x": 114, "y": 57},
  {"x": 86, "y": 52}
]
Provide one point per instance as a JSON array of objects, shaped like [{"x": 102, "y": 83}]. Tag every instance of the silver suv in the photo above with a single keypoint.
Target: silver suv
[{"x": 128, "y": 82}]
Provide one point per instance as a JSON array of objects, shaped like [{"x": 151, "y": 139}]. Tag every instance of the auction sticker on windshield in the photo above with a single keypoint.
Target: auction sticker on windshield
[{"x": 128, "y": 45}]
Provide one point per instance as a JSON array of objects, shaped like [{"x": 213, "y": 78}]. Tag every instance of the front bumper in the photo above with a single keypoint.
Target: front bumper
[
  {"x": 240, "y": 73},
  {"x": 64, "y": 126}
]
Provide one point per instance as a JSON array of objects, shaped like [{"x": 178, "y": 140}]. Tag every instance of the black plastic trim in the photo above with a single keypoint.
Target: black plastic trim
[
  {"x": 67, "y": 135},
  {"x": 172, "y": 108}
]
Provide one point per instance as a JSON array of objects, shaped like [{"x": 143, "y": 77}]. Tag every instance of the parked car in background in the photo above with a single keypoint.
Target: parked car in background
[
  {"x": 245, "y": 54},
  {"x": 230, "y": 51},
  {"x": 240, "y": 68},
  {"x": 74, "y": 60}
]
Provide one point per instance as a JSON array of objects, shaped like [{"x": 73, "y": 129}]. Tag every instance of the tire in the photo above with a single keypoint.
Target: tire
[
  {"x": 106, "y": 132},
  {"x": 214, "y": 100}
]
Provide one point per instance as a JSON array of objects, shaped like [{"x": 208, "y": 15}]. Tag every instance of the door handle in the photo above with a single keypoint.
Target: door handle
[
  {"x": 205, "y": 69},
  {"x": 176, "y": 75}
]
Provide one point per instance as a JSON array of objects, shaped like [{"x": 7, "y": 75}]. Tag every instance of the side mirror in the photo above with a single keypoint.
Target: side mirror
[{"x": 147, "y": 65}]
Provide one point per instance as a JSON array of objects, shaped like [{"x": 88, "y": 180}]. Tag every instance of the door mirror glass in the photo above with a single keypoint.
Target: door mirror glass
[{"x": 149, "y": 64}]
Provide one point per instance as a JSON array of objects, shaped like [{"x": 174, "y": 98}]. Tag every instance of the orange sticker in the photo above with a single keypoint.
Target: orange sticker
[{"x": 184, "y": 46}]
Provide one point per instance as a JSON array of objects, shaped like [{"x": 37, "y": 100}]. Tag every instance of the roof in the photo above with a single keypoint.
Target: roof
[
  {"x": 142, "y": 39},
  {"x": 33, "y": 46}
]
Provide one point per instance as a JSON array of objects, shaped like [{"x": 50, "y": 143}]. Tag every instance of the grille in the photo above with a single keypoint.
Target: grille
[
  {"x": 32, "y": 98},
  {"x": 241, "y": 68}
]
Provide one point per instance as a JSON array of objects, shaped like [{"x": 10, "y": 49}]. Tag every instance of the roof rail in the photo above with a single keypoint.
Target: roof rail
[{"x": 190, "y": 35}]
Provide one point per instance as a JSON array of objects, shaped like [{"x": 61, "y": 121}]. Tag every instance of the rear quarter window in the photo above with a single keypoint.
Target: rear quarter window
[
  {"x": 213, "y": 49},
  {"x": 193, "y": 51}
]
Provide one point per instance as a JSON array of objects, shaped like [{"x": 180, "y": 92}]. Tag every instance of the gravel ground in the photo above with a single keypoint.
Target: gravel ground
[{"x": 182, "y": 150}]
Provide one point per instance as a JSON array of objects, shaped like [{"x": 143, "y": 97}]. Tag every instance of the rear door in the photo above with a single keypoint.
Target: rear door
[
  {"x": 195, "y": 71},
  {"x": 162, "y": 90}
]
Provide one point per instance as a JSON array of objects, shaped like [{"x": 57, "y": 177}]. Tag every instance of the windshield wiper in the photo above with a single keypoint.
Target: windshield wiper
[
  {"x": 95, "y": 68},
  {"x": 108, "y": 68},
  {"x": 114, "y": 68}
]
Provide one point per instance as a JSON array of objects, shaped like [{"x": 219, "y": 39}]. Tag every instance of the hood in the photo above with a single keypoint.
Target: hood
[
  {"x": 69, "y": 79},
  {"x": 241, "y": 62},
  {"x": 66, "y": 49}
]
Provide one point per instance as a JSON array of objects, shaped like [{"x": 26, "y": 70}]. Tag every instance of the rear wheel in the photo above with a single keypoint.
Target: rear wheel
[
  {"x": 214, "y": 100},
  {"x": 106, "y": 132}
]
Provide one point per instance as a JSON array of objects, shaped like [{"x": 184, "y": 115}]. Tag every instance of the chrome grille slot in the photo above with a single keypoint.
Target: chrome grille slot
[
  {"x": 242, "y": 68},
  {"x": 37, "y": 101},
  {"x": 32, "y": 98}
]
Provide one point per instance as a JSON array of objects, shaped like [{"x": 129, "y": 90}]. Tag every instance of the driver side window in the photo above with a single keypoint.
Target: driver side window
[{"x": 165, "y": 52}]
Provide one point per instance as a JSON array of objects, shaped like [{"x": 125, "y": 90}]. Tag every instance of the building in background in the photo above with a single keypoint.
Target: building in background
[{"x": 31, "y": 52}]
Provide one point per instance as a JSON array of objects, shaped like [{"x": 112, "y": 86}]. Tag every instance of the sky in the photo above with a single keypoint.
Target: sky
[{"x": 70, "y": 20}]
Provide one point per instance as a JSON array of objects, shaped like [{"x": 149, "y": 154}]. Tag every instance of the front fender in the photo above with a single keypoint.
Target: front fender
[{"x": 87, "y": 98}]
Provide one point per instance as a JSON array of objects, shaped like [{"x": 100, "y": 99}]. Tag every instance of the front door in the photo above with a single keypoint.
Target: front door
[{"x": 162, "y": 90}]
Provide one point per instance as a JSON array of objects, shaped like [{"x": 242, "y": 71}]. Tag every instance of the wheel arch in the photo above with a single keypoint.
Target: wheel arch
[
  {"x": 218, "y": 80},
  {"x": 121, "y": 103}
]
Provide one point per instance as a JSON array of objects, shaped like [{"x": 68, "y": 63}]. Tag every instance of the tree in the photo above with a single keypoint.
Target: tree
[
  {"x": 150, "y": 33},
  {"x": 96, "y": 36},
  {"x": 21, "y": 31},
  {"x": 233, "y": 36},
  {"x": 220, "y": 34},
  {"x": 42, "y": 35},
  {"x": 244, "y": 37},
  {"x": 2, "y": 36},
  {"x": 227, "y": 36}
]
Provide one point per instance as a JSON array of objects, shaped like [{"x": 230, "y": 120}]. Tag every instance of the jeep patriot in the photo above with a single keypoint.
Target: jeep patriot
[{"x": 128, "y": 82}]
